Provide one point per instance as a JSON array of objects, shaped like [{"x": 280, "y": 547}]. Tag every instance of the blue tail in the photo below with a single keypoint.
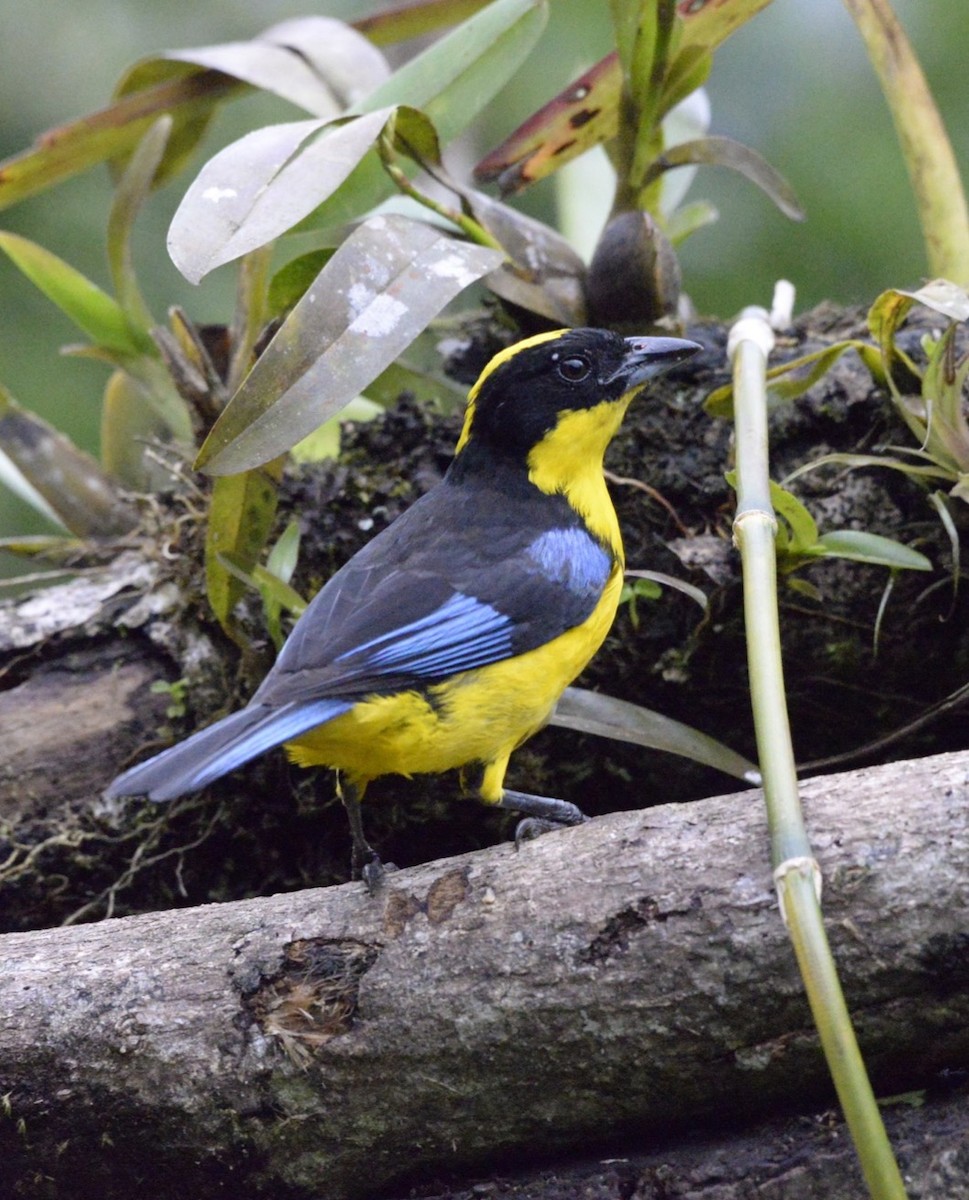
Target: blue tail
[{"x": 221, "y": 748}]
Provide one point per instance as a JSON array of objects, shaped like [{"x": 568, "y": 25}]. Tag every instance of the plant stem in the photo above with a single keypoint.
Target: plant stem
[
  {"x": 932, "y": 168},
  {"x": 796, "y": 873},
  {"x": 471, "y": 229}
]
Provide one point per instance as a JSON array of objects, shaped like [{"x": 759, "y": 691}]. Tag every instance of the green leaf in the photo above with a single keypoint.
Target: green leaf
[
  {"x": 93, "y": 310},
  {"x": 944, "y": 297},
  {"x": 725, "y": 152},
  {"x": 409, "y": 20},
  {"x": 635, "y": 31},
  {"x": 241, "y": 513},
  {"x": 51, "y": 547},
  {"x": 381, "y": 288},
  {"x": 262, "y": 185},
  {"x": 273, "y": 583},
  {"x": 804, "y": 529},
  {"x": 290, "y": 282},
  {"x": 913, "y": 469},
  {"x": 789, "y": 380},
  {"x": 679, "y": 585},
  {"x": 946, "y": 437},
  {"x": 129, "y": 425},
  {"x": 71, "y": 483},
  {"x": 592, "y": 712},
  {"x": 708, "y": 25},
  {"x": 113, "y": 132},
  {"x": 450, "y": 83},
  {"x": 578, "y": 118},
  {"x": 688, "y": 71},
  {"x": 318, "y": 63},
  {"x": 861, "y": 546},
  {"x": 324, "y": 442},
  {"x": 277, "y": 597},
  {"x": 685, "y": 221},
  {"x": 884, "y": 318},
  {"x": 426, "y": 386},
  {"x": 453, "y": 79},
  {"x": 130, "y": 194},
  {"x": 284, "y": 556},
  {"x": 544, "y": 275}
]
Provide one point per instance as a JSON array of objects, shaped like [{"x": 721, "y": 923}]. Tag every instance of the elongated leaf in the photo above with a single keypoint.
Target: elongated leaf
[
  {"x": 190, "y": 95},
  {"x": 324, "y": 442},
  {"x": 861, "y": 546},
  {"x": 113, "y": 132},
  {"x": 318, "y": 63},
  {"x": 789, "y": 380},
  {"x": 381, "y": 288},
  {"x": 804, "y": 529},
  {"x": 687, "y": 122},
  {"x": 93, "y": 310},
  {"x": 873, "y": 460},
  {"x": 284, "y": 556},
  {"x": 587, "y": 111},
  {"x": 292, "y": 280},
  {"x": 273, "y": 581},
  {"x": 130, "y": 194},
  {"x": 409, "y": 20},
  {"x": 71, "y": 483},
  {"x": 51, "y": 547},
  {"x": 689, "y": 70},
  {"x": 545, "y": 275},
  {"x": 725, "y": 152},
  {"x": 679, "y": 585},
  {"x": 291, "y": 60},
  {"x": 708, "y": 25},
  {"x": 884, "y": 318},
  {"x": 592, "y": 712},
  {"x": 260, "y": 186},
  {"x": 450, "y": 82},
  {"x": 687, "y": 220},
  {"x": 12, "y": 478},
  {"x": 578, "y": 118},
  {"x": 129, "y": 424},
  {"x": 943, "y": 296},
  {"x": 240, "y": 517}
]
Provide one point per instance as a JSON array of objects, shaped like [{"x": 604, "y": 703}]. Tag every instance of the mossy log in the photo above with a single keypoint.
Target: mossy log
[{"x": 610, "y": 985}]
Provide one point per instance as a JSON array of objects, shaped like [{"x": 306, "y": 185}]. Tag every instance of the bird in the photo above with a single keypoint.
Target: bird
[{"x": 445, "y": 642}]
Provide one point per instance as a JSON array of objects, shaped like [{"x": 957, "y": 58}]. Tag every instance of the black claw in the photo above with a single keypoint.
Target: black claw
[
  {"x": 372, "y": 875},
  {"x": 533, "y": 827}
]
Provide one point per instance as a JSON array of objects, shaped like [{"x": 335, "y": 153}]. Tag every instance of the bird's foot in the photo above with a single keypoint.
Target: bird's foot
[
  {"x": 372, "y": 872},
  {"x": 542, "y": 814}
]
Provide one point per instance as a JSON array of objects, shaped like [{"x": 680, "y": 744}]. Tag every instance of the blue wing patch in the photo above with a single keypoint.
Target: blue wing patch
[
  {"x": 571, "y": 557},
  {"x": 460, "y": 634}
]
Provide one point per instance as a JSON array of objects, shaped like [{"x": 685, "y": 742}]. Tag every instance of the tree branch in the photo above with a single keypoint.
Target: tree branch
[{"x": 623, "y": 978}]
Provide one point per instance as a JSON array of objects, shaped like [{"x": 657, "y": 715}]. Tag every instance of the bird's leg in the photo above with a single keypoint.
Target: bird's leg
[
  {"x": 365, "y": 863},
  {"x": 541, "y": 814}
]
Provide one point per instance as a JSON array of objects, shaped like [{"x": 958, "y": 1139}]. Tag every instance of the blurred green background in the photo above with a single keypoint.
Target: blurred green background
[{"x": 794, "y": 84}]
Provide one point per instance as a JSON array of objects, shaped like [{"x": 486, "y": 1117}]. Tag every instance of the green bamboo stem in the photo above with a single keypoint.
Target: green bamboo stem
[
  {"x": 796, "y": 873},
  {"x": 928, "y": 154}
]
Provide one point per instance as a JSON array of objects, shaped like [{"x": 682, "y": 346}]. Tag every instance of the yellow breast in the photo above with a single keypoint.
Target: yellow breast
[{"x": 476, "y": 717}]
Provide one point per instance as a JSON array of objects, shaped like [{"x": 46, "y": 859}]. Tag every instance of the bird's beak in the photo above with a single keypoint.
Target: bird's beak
[{"x": 647, "y": 357}]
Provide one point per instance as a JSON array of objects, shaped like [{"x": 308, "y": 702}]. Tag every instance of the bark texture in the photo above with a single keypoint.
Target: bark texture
[{"x": 616, "y": 984}]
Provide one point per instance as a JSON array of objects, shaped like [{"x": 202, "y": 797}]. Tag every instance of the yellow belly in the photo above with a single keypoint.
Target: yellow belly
[{"x": 476, "y": 717}]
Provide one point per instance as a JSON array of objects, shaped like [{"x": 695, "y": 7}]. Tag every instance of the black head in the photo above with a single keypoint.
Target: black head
[{"x": 522, "y": 392}]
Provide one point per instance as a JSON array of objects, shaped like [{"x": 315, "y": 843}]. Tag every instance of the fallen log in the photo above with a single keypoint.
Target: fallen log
[{"x": 620, "y": 981}]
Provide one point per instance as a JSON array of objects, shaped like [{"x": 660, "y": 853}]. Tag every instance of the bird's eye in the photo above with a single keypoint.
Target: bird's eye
[{"x": 574, "y": 368}]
